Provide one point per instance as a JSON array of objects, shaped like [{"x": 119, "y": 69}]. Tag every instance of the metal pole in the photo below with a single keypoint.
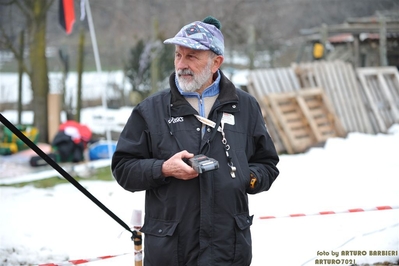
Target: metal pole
[
  {"x": 99, "y": 70},
  {"x": 324, "y": 39},
  {"x": 137, "y": 237}
]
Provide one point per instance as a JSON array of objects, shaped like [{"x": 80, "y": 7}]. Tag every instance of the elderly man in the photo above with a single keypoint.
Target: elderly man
[{"x": 196, "y": 218}]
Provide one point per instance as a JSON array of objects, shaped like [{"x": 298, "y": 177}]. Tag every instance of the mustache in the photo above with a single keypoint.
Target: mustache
[{"x": 185, "y": 71}]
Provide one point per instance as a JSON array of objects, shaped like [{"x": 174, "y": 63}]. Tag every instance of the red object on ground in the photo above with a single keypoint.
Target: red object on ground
[{"x": 77, "y": 131}]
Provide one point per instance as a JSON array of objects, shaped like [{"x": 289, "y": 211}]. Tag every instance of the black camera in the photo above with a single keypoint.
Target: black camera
[{"x": 202, "y": 163}]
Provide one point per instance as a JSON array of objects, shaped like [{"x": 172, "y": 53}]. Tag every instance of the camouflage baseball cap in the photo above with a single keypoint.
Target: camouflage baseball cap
[{"x": 200, "y": 35}]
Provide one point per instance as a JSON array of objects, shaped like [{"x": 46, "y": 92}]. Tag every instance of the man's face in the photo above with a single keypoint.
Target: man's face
[{"x": 194, "y": 69}]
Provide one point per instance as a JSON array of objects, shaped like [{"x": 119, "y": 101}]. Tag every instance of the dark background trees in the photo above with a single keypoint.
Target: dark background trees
[{"x": 121, "y": 24}]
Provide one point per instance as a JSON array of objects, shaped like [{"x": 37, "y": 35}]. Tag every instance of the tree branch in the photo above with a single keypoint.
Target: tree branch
[
  {"x": 50, "y": 3},
  {"x": 22, "y": 7},
  {"x": 8, "y": 43},
  {"x": 5, "y": 3}
]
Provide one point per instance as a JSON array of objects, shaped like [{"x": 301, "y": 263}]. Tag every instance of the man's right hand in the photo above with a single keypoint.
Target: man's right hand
[{"x": 176, "y": 167}]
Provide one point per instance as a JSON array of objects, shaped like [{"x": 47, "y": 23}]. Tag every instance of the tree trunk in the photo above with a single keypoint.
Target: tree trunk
[
  {"x": 155, "y": 59},
  {"x": 38, "y": 62},
  {"x": 80, "y": 74},
  {"x": 20, "y": 74}
]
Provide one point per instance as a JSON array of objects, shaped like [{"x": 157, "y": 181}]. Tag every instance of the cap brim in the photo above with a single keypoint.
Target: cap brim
[{"x": 186, "y": 42}]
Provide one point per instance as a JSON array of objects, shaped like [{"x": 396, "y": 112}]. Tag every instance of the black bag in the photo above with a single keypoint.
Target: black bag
[
  {"x": 38, "y": 161},
  {"x": 67, "y": 149}
]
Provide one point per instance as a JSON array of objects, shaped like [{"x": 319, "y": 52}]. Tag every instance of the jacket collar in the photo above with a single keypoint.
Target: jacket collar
[{"x": 227, "y": 94}]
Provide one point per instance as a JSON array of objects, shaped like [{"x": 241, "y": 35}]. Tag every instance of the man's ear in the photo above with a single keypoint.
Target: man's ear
[{"x": 217, "y": 62}]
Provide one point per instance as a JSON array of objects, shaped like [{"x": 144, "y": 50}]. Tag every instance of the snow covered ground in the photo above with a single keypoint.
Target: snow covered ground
[
  {"x": 58, "y": 224},
  {"x": 360, "y": 171}
]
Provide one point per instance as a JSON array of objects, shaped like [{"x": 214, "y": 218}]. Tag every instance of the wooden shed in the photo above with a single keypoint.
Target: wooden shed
[{"x": 364, "y": 42}]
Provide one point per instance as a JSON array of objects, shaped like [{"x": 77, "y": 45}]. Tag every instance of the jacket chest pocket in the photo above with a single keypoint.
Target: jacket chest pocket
[
  {"x": 175, "y": 135},
  {"x": 163, "y": 145}
]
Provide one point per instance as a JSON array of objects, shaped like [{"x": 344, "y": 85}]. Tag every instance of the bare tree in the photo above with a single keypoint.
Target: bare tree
[{"x": 34, "y": 13}]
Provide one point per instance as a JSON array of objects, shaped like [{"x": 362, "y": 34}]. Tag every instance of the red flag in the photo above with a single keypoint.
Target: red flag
[{"x": 67, "y": 15}]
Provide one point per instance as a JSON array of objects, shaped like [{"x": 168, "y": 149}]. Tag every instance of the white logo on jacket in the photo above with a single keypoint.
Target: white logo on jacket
[{"x": 174, "y": 120}]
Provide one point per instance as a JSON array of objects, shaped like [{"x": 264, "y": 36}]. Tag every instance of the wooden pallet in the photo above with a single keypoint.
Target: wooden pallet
[
  {"x": 338, "y": 80},
  {"x": 266, "y": 81},
  {"x": 380, "y": 88},
  {"x": 304, "y": 118}
]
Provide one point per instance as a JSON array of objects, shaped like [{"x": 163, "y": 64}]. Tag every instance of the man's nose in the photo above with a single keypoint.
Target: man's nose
[{"x": 181, "y": 63}]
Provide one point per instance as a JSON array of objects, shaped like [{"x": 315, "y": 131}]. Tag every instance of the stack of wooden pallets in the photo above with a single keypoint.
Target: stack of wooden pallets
[{"x": 306, "y": 104}]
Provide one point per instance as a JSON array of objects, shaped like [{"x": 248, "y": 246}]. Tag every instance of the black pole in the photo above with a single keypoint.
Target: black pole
[{"x": 60, "y": 170}]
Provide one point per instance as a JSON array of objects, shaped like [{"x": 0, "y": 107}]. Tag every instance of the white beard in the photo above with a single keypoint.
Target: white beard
[{"x": 198, "y": 80}]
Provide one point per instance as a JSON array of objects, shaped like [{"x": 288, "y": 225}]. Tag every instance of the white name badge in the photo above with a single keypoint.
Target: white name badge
[{"x": 228, "y": 119}]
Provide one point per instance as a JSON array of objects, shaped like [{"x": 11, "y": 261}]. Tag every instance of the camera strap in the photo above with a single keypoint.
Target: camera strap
[
  {"x": 212, "y": 124},
  {"x": 229, "y": 119}
]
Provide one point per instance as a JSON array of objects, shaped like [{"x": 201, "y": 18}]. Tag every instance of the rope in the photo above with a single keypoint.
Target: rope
[
  {"x": 81, "y": 261},
  {"x": 378, "y": 208}
]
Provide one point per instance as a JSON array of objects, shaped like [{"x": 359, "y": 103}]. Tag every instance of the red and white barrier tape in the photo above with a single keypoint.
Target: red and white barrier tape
[
  {"x": 378, "y": 208},
  {"x": 81, "y": 261}
]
